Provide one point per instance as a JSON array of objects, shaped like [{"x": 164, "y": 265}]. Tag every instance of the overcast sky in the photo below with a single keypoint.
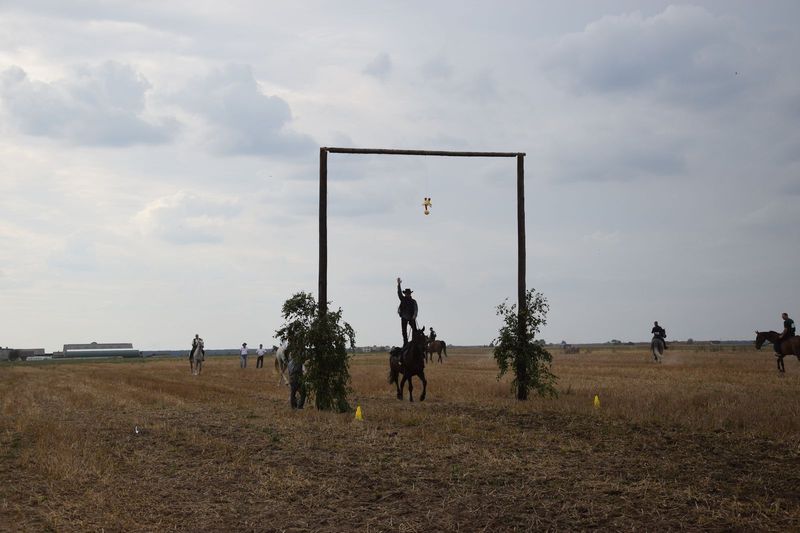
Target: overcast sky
[{"x": 159, "y": 166}]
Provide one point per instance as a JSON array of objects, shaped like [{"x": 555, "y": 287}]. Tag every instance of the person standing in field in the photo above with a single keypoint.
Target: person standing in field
[
  {"x": 296, "y": 384},
  {"x": 243, "y": 356},
  {"x": 659, "y": 332},
  {"x": 407, "y": 310},
  {"x": 260, "y": 353}
]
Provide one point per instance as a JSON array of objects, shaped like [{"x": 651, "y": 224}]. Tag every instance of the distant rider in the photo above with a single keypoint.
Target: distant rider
[
  {"x": 659, "y": 332},
  {"x": 788, "y": 332},
  {"x": 432, "y": 335},
  {"x": 194, "y": 345},
  {"x": 407, "y": 310}
]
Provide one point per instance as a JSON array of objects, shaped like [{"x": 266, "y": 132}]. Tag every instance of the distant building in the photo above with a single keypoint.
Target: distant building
[
  {"x": 14, "y": 354},
  {"x": 101, "y": 349}
]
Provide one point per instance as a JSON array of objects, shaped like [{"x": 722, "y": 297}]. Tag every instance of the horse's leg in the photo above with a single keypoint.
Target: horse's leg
[
  {"x": 410, "y": 389},
  {"x": 424, "y": 385},
  {"x": 399, "y": 390},
  {"x": 402, "y": 386}
]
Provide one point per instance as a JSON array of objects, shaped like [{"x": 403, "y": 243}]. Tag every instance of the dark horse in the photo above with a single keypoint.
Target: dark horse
[
  {"x": 435, "y": 346},
  {"x": 409, "y": 361},
  {"x": 788, "y": 346}
]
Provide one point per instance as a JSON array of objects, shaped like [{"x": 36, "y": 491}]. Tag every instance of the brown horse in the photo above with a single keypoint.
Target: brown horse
[
  {"x": 409, "y": 361},
  {"x": 788, "y": 346},
  {"x": 435, "y": 346}
]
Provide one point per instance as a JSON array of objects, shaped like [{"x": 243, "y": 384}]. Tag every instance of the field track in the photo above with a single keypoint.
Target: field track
[{"x": 706, "y": 440}]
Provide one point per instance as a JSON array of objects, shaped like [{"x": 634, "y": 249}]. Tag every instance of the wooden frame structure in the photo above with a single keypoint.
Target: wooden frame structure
[{"x": 323, "y": 213}]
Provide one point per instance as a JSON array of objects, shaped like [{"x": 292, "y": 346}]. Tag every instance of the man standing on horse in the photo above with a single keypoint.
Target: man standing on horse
[
  {"x": 788, "y": 332},
  {"x": 660, "y": 333},
  {"x": 407, "y": 310}
]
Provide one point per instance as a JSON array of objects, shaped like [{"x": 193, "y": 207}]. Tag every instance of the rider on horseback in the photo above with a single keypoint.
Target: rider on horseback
[
  {"x": 788, "y": 332},
  {"x": 660, "y": 333},
  {"x": 194, "y": 345},
  {"x": 432, "y": 335}
]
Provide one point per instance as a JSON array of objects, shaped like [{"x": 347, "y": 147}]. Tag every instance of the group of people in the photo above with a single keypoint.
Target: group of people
[
  {"x": 294, "y": 369},
  {"x": 244, "y": 352}
]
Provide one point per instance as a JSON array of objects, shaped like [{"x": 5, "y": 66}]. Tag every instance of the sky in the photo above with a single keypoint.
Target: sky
[{"x": 159, "y": 166}]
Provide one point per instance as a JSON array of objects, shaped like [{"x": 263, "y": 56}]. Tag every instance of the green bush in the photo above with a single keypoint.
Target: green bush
[
  {"x": 321, "y": 344},
  {"x": 529, "y": 360}
]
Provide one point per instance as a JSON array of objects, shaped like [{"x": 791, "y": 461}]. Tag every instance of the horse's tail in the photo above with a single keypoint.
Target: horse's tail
[
  {"x": 393, "y": 374},
  {"x": 444, "y": 347}
]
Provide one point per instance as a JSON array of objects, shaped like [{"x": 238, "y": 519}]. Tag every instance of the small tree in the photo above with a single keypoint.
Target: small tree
[
  {"x": 321, "y": 344},
  {"x": 518, "y": 351}
]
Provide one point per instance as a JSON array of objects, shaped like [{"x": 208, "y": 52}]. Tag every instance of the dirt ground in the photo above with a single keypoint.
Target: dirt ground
[{"x": 708, "y": 440}]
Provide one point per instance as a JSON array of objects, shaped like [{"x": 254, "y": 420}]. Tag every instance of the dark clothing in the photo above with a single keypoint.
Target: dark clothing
[
  {"x": 408, "y": 306},
  {"x": 407, "y": 311},
  {"x": 296, "y": 385},
  {"x": 661, "y": 333},
  {"x": 260, "y": 361},
  {"x": 432, "y": 336},
  {"x": 404, "y": 322},
  {"x": 788, "y": 327}
]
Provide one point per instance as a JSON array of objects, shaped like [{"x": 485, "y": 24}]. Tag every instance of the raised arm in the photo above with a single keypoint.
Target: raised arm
[{"x": 399, "y": 294}]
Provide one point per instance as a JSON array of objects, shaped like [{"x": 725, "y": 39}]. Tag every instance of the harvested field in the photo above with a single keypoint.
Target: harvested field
[{"x": 707, "y": 440}]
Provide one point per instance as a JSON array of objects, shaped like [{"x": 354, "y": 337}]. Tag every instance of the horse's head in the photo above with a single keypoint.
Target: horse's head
[
  {"x": 419, "y": 341},
  {"x": 762, "y": 336}
]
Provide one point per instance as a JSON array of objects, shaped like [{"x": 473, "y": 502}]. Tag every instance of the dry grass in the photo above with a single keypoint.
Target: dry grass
[{"x": 708, "y": 440}]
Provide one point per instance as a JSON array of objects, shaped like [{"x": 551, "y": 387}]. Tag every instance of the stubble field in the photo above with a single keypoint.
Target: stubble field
[{"x": 707, "y": 440}]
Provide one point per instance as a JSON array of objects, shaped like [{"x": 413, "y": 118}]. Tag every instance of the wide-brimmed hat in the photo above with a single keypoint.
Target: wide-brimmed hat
[{"x": 407, "y": 291}]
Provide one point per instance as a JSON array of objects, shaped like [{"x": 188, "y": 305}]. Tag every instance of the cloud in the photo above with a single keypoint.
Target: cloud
[
  {"x": 187, "y": 218},
  {"x": 102, "y": 106},
  {"x": 619, "y": 156},
  {"x": 241, "y": 119},
  {"x": 77, "y": 254},
  {"x": 380, "y": 67},
  {"x": 437, "y": 69},
  {"x": 684, "y": 54}
]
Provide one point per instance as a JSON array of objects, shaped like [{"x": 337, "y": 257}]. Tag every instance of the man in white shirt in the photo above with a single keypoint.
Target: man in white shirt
[
  {"x": 243, "y": 356},
  {"x": 260, "y": 353}
]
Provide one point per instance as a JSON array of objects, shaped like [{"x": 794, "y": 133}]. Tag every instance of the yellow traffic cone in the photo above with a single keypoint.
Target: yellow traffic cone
[
  {"x": 359, "y": 416},
  {"x": 596, "y": 401}
]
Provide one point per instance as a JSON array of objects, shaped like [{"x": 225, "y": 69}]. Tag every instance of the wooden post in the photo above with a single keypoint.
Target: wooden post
[
  {"x": 522, "y": 377},
  {"x": 523, "y": 374},
  {"x": 322, "y": 289}
]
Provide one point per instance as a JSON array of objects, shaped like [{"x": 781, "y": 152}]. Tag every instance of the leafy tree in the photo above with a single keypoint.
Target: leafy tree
[
  {"x": 321, "y": 344},
  {"x": 518, "y": 351}
]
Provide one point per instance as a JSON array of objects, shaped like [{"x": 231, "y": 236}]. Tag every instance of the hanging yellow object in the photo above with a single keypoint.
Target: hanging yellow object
[
  {"x": 426, "y": 204},
  {"x": 359, "y": 416},
  {"x": 596, "y": 401}
]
